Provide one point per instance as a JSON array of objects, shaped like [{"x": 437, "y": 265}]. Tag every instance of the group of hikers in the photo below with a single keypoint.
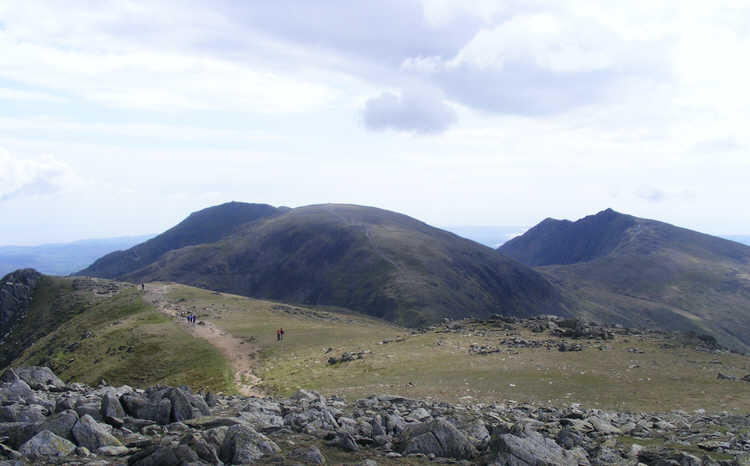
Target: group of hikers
[
  {"x": 191, "y": 318},
  {"x": 279, "y": 334}
]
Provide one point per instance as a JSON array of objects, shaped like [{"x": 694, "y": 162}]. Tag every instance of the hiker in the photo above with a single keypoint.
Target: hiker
[
  {"x": 278, "y": 335},
  {"x": 281, "y": 331},
  {"x": 143, "y": 287}
]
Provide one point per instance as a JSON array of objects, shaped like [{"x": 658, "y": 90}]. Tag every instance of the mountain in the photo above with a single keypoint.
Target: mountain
[
  {"x": 62, "y": 258},
  {"x": 382, "y": 263},
  {"x": 642, "y": 272},
  {"x": 205, "y": 226}
]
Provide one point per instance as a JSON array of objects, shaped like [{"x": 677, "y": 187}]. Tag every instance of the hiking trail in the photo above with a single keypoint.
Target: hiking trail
[{"x": 240, "y": 354}]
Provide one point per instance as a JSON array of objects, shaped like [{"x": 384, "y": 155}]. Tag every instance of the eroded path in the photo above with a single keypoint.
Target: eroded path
[{"x": 240, "y": 354}]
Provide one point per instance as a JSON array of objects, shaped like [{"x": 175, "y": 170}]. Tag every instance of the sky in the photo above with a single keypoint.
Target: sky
[{"x": 122, "y": 117}]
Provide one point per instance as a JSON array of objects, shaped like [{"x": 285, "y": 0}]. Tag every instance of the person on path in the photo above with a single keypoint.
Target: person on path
[
  {"x": 281, "y": 330},
  {"x": 278, "y": 335}
]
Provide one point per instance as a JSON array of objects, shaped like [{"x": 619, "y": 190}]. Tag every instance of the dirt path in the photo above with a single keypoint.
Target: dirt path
[{"x": 236, "y": 350}]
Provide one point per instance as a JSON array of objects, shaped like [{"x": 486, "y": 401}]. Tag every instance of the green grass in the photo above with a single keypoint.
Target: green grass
[
  {"x": 130, "y": 343},
  {"x": 679, "y": 378}
]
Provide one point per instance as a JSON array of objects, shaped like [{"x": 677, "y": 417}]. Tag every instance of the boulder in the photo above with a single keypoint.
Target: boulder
[
  {"x": 92, "y": 435},
  {"x": 242, "y": 444},
  {"x": 111, "y": 407},
  {"x": 529, "y": 448},
  {"x": 344, "y": 441},
  {"x": 157, "y": 410},
  {"x": 155, "y": 456},
  {"x": 201, "y": 447},
  {"x": 181, "y": 409},
  {"x": 22, "y": 413},
  {"x": 439, "y": 438},
  {"x": 45, "y": 443},
  {"x": 18, "y": 391},
  {"x": 39, "y": 377},
  {"x": 306, "y": 455}
]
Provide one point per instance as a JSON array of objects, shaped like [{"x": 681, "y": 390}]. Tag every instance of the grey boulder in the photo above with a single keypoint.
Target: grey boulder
[
  {"x": 45, "y": 443},
  {"x": 92, "y": 435},
  {"x": 243, "y": 445},
  {"x": 531, "y": 448},
  {"x": 438, "y": 437}
]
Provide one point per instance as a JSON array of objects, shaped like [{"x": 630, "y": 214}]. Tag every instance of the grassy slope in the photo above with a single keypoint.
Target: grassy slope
[
  {"x": 439, "y": 365},
  {"x": 130, "y": 343},
  {"x": 374, "y": 261}
]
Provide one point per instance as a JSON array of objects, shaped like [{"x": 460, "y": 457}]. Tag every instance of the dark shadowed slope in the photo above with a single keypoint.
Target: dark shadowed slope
[
  {"x": 644, "y": 272},
  {"x": 371, "y": 260},
  {"x": 205, "y": 226}
]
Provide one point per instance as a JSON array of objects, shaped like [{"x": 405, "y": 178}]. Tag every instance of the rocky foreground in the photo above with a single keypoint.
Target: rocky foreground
[{"x": 46, "y": 421}]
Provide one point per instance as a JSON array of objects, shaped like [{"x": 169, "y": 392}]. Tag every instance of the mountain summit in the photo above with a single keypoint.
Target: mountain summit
[
  {"x": 643, "y": 272},
  {"x": 205, "y": 226},
  {"x": 362, "y": 258}
]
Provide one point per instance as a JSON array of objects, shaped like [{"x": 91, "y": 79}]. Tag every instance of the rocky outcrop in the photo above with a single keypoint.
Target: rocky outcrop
[
  {"x": 16, "y": 291},
  {"x": 78, "y": 424}
]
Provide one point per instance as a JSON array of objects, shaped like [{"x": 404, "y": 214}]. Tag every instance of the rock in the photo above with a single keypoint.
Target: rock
[
  {"x": 112, "y": 450},
  {"x": 721, "y": 376},
  {"x": 22, "y": 413},
  {"x": 530, "y": 448},
  {"x": 9, "y": 376},
  {"x": 201, "y": 447},
  {"x": 158, "y": 410},
  {"x": 18, "y": 391},
  {"x": 111, "y": 407},
  {"x": 306, "y": 455},
  {"x": 181, "y": 407},
  {"x": 394, "y": 424},
  {"x": 603, "y": 426},
  {"x": 262, "y": 421},
  {"x": 61, "y": 424},
  {"x": 6, "y": 452},
  {"x": 564, "y": 347},
  {"x": 16, "y": 291},
  {"x": 345, "y": 441},
  {"x": 211, "y": 399},
  {"x": 242, "y": 444},
  {"x": 39, "y": 377},
  {"x": 155, "y": 456},
  {"x": 92, "y": 435},
  {"x": 438, "y": 437},
  {"x": 45, "y": 443},
  {"x": 209, "y": 422},
  {"x": 420, "y": 414}
]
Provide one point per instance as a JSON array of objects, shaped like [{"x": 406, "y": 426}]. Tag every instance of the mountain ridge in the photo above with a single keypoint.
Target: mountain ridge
[
  {"x": 371, "y": 260},
  {"x": 205, "y": 225},
  {"x": 650, "y": 273}
]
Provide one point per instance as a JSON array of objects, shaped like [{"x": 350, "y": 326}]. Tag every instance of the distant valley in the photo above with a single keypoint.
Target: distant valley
[{"x": 62, "y": 258}]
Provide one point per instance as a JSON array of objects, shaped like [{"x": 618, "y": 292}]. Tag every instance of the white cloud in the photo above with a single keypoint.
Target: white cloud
[
  {"x": 28, "y": 178},
  {"x": 17, "y": 94},
  {"x": 414, "y": 111}
]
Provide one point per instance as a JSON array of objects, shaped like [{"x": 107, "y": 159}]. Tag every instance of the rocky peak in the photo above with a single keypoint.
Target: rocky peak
[{"x": 16, "y": 291}]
